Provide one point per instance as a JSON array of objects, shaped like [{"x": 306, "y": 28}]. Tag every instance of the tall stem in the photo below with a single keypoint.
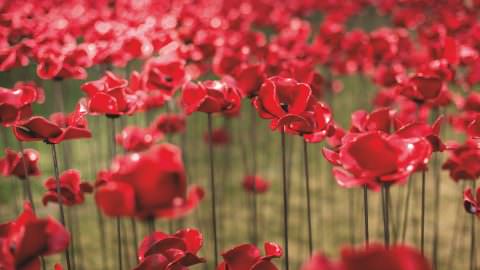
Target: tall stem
[
  {"x": 472, "y": 231},
  {"x": 386, "y": 230},
  {"x": 285, "y": 200},
  {"x": 212, "y": 190},
  {"x": 422, "y": 221},
  {"x": 60, "y": 203},
  {"x": 307, "y": 191},
  {"x": 436, "y": 210},
  {"x": 117, "y": 220},
  {"x": 26, "y": 180},
  {"x": 405, "y": 210},
  {"x": 365, "y": 214},
  {"x": 253, "y": 139}
]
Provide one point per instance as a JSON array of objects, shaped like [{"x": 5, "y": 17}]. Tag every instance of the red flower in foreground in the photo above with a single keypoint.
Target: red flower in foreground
[
  {"x": 169, "y": 123},
  {"x": 219, "y": 137},
  {"x": 135, "y": 139},
  {"x": 25, "y": 239},
  {"x": 55, "y": 130},
  {"x": 210, "y": 97},
  {"x": 247, "y": 257},
  {"x": 13, "y": 163},
  {"x": 255, "y": 184},
  {"x": 375, "y": 157},
  {"x": 148, "y": 184},
  {"x": 71, "y": 189},
  {"x": 109, "y": 95},
  {"x": 472, "y": 204},
  {"x": 15, "y": 104},
  {"x": 462, "y": 162},
  {"x": 161, "y": 251},
  {"x": 375, "y": 257}
]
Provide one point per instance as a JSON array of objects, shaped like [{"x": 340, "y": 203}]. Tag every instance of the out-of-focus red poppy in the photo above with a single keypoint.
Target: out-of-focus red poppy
[
  {"x": 471, "y": 203},
  {"x": 421, "y": 87},
  {"x": 15, "y": 104},
  {"x": 72, "y": 190},
  {"x": 249, "y": 79},
  {"x": 374, "y": 157},
  {"x": 25, "y": 239},
  {"x": 17, "y": 163},
  {"x": 169, "y": 123},
  {"x": 462, "y": 162},
  {"x": 375, "y": 257},
  {"x": 135, "y": 139},
  {"x": 255, "y": 184},
  {"x": 247, "y": 257},
  {"x": 210, "y": 97},
  {"x": 161, "y": 251},
  {"x": 60, "y": 62},
  {"x": 109, "y": 95},
  {"x": 59, "y": 128},
  {"x": 164, "y": 74},
  {"x": 147, "y": 185},
  {"x": 219, "y": 137}
]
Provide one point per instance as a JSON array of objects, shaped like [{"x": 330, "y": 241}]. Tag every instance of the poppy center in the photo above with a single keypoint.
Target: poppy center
[{"x": 284, "y": 106}]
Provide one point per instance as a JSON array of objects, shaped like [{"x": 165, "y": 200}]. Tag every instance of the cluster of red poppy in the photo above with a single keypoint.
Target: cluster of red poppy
[{"x": 213, "y": 57}]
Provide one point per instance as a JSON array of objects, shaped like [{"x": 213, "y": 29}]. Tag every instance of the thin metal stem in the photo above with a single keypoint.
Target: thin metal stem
[
  {"x": 365, "y": 214},
  {"x": 285, "y": 200},
  {"x": 60, "y": 203},
  {"x": 117, "y": 220},
  {"x": 212, "y": 190},
  {"x": 26, "y": 180},
  {"x": 386, "y": 230},
  {"x": 405, "y": 211},
  {"x": 307, "y": 191},
  {"x": 472, "y": 232},
  {"x": 422, "y": 221}
]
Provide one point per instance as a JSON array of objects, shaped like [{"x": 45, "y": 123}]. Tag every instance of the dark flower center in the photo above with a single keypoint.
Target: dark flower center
[{"x": 284, "y": 106}]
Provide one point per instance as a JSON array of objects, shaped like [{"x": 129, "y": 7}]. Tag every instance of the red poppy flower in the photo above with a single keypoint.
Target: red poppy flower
[
  {"x": 255, "y": 184},
  {"x": 13, "y": 163},
  {"x": 135, "y": 139},
  {"x": 164, "y": 74},
  {"x": 58, "y": 266},
  {"x": 219, "y": 137},
  {"x": 249, "y": 79},
  {"x": 25, "y": 239},
  {"x": 421, "y": 87},
  {"x": 375, "y": 257},
  {"x": 290, "y": 105},
  {"x": 55, "y": 130},
  {"x": 161, "y": 251},
  {"x": 71, "y": 189},
  {"x": 169, "y": 123},
  {"x": 247, "y": 257},
  {"x": 473, "y": 128},
  {"x": 375, "y": 157},
  {"x": 15, "y": 104},
  {"x": 419, "y": 129},
  {"x": 109, "y": 95},
  {"x": 60, "y": 62},
  {"x": 471, "y": 203},
  {"x": 210, "y": 97},
  {"x": 148, "y": 184},
  {"x": 462, "y": 162}
]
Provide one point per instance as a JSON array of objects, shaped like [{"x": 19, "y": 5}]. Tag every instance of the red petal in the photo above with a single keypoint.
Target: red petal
[{"x": 116, "y": 199}]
